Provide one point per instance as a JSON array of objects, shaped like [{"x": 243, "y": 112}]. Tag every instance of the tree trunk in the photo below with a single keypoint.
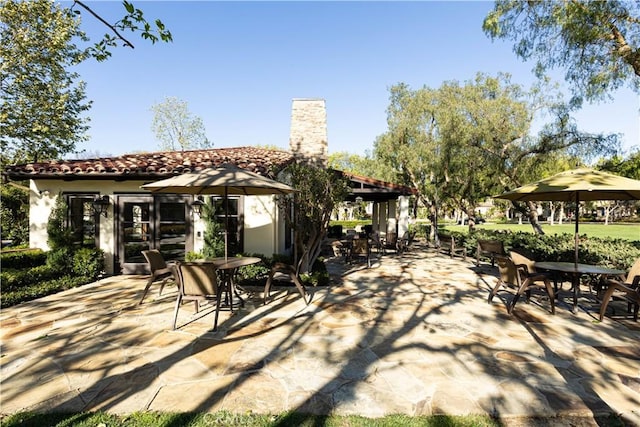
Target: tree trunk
[
  {"x": 552, "y": 212},
  {"x": 533, "y": 218},
  {"x": 472, "y": 219}
]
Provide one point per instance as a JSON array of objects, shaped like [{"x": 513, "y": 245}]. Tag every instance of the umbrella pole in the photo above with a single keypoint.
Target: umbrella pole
[
  {"x": 577, "y": 240},
  {"x": 226, "y": 222}
]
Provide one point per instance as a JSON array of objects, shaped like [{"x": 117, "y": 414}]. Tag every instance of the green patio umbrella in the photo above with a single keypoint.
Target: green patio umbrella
[{"x": 575, "y": 186}]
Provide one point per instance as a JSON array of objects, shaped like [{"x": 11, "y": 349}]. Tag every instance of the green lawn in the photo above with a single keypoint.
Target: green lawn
[
  {"x": 618, "y": 231},
  {"x": 292, "y": 419}
]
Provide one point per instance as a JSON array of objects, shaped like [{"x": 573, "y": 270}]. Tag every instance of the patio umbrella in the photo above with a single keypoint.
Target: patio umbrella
[
  {"x": 224, "y": 180},
  {"x": 575, "y": 186}
]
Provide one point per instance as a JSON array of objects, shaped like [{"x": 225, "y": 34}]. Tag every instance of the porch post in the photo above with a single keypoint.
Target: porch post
[
  {"x": 403, "y": 217},
  {"x": 375, "y": 217},
  {"x": 392, "y": 222}
]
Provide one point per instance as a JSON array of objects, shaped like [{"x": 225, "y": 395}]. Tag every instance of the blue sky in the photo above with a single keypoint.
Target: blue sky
[{"x": 238, "y": 65}]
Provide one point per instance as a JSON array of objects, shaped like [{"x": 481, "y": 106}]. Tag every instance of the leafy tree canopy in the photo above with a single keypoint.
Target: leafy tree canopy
[
  {"x": 462, "y": 143},
  {"x": 43, "y": 106},
  {"x": 42, "y": 102},
  {"x": 176, "y": 127},
  {"x": 361, "y": 165},
  {"x": 598, "y": 42}
]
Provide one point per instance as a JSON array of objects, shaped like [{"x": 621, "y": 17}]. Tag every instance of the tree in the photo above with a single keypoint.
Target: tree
[
  {"x": 213, "y": 240},
  {"x": 628, "y": 167},
  {"x": 318, "y": 192},
  {"x": 42, "y": 102},
  {"x": 462, "y": 143},
  {"x": 14, "y": 213},
  {"x": 598, "y": 42},
  {"x": 361, "y": 165},
  {"x": 176, "y": 127}
]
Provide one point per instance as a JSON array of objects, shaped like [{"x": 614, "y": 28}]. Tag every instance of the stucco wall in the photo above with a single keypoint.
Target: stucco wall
[{"x": 262, "y": 229}]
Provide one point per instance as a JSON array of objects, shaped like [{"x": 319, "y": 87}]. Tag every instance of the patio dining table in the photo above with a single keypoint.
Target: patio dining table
[
  {"x": 576, "y": 271},
  {"x": 227, "y": 268}
]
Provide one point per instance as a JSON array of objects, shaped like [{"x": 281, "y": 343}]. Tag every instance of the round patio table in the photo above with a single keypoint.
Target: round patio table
[
  {"x": 575, "y": 271},
  {"x": 228, "y": 268}
]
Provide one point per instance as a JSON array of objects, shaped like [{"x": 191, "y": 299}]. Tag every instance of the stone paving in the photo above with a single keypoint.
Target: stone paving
[{"x": 411, "y": 335}]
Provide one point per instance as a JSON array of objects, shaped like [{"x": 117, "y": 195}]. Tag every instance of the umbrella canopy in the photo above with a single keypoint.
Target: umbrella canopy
[
  {"x": 586, "y": 184},
  {"x": 224, "y": 180},
  {"x": 575, "y": 186}
]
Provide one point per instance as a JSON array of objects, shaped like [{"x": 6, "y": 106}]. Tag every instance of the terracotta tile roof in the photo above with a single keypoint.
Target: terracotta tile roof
[{"x": 154, "y": 165}]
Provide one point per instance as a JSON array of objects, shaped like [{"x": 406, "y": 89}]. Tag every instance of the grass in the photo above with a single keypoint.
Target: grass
[
  {"x": 617, "y": 231},
  {"x": 153, "y": 419},
  {"x": 223, "y": 418}
]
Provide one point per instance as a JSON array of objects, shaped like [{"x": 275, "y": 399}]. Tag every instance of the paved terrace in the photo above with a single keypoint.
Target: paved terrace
[{"x": 410, "y": 335}]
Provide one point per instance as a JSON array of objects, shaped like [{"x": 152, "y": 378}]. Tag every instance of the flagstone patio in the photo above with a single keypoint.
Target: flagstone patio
[{"x": 411, "y": 335}]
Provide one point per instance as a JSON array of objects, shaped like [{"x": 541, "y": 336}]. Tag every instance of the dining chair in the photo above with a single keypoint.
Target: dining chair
[
  {"x": 160, "y": 271},
  {"x": 198, "y": 282},
  {"x": 628, "y": 289},
  {"x": 518, "y": 277},
  {"x": 360, "y": 248},
  {"x": 288, "y": 271},
  {"x": 376, "y": 242}
]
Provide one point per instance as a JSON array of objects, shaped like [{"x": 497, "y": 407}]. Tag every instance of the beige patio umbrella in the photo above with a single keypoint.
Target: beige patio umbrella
[
  {"x": 575, "y": 186},
  {"x": 224, "y": 180}
]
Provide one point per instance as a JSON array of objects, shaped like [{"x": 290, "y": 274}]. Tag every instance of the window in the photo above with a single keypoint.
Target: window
[
  {"x": 82, "y": 220},
  {"x": 229, "y": 216}
]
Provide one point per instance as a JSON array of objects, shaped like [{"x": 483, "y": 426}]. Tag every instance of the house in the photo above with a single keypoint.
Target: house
[{"x": 108, "y": 208}]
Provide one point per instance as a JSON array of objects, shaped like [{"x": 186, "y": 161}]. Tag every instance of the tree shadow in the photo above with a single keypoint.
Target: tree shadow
[{"x": 375, "y": 335}]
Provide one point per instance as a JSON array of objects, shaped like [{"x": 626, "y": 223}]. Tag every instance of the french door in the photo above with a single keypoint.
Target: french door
[{"x": 152, "y": 222}]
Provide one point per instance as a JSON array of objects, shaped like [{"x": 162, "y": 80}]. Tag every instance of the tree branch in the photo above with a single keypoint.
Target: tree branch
[{"x": 111, "y": 27}]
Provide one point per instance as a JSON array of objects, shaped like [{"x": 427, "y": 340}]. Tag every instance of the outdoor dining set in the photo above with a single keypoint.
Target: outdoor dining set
[{"x": 210, "y": 280}]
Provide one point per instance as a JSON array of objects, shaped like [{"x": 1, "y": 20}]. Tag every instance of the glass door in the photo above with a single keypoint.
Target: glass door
[
  {"x": 152, "y": 222},
  {"x": 135, "y": 232}
]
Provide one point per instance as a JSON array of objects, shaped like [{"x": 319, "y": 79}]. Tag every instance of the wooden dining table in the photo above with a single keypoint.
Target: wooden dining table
[
  {"x": 227, "y": 268},
  {"x": 576, "y": 271}
]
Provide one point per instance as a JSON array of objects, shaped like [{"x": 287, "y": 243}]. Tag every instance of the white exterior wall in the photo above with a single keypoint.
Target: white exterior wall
[
  {"x": 42, "y": 199},
  {"x": 260, "y": 219},
  {"x": 263, "y": 231}
]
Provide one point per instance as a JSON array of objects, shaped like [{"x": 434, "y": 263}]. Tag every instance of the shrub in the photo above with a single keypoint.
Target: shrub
[
  {"x": 59, "y": 235},
  {"x": 88, "y": 262},
  {"x": 23, "y": 259},
  {"x": 13, "y": 279},
  {"x": 612, "y": 253},
  {"x": 61, "y": 260},
  {"x": 28, "y": 293}
]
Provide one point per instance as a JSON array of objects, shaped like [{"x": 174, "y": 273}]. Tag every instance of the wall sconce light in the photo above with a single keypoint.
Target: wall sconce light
[
  {"x": 359, "y": 199},
  {"x": 197, "y": 205},
  {"x": 101, "y": 205}
]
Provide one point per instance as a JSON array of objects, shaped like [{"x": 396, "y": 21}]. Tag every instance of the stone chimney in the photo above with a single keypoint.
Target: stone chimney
[{"x": 308, "y": 134}]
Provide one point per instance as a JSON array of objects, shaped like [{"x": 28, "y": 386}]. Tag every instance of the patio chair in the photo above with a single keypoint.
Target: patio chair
[
  {"x": 281, "y": 271},
  {"x": 489, "y": 248},
  {"x": 160, "y": 271},
  {"x": 390, "y": 242},
  {"x": 198, "y": 282},
  {"x": 404, "y": 244},
  {"x": 628, "y": 290},
  {"x": 530, "y": 266},
  {"x": 448, "y": 245},
  {"x": 375, "y": 242},
  {"x": 518, "y": 277},
  {"x": 360, "y": 248}
]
